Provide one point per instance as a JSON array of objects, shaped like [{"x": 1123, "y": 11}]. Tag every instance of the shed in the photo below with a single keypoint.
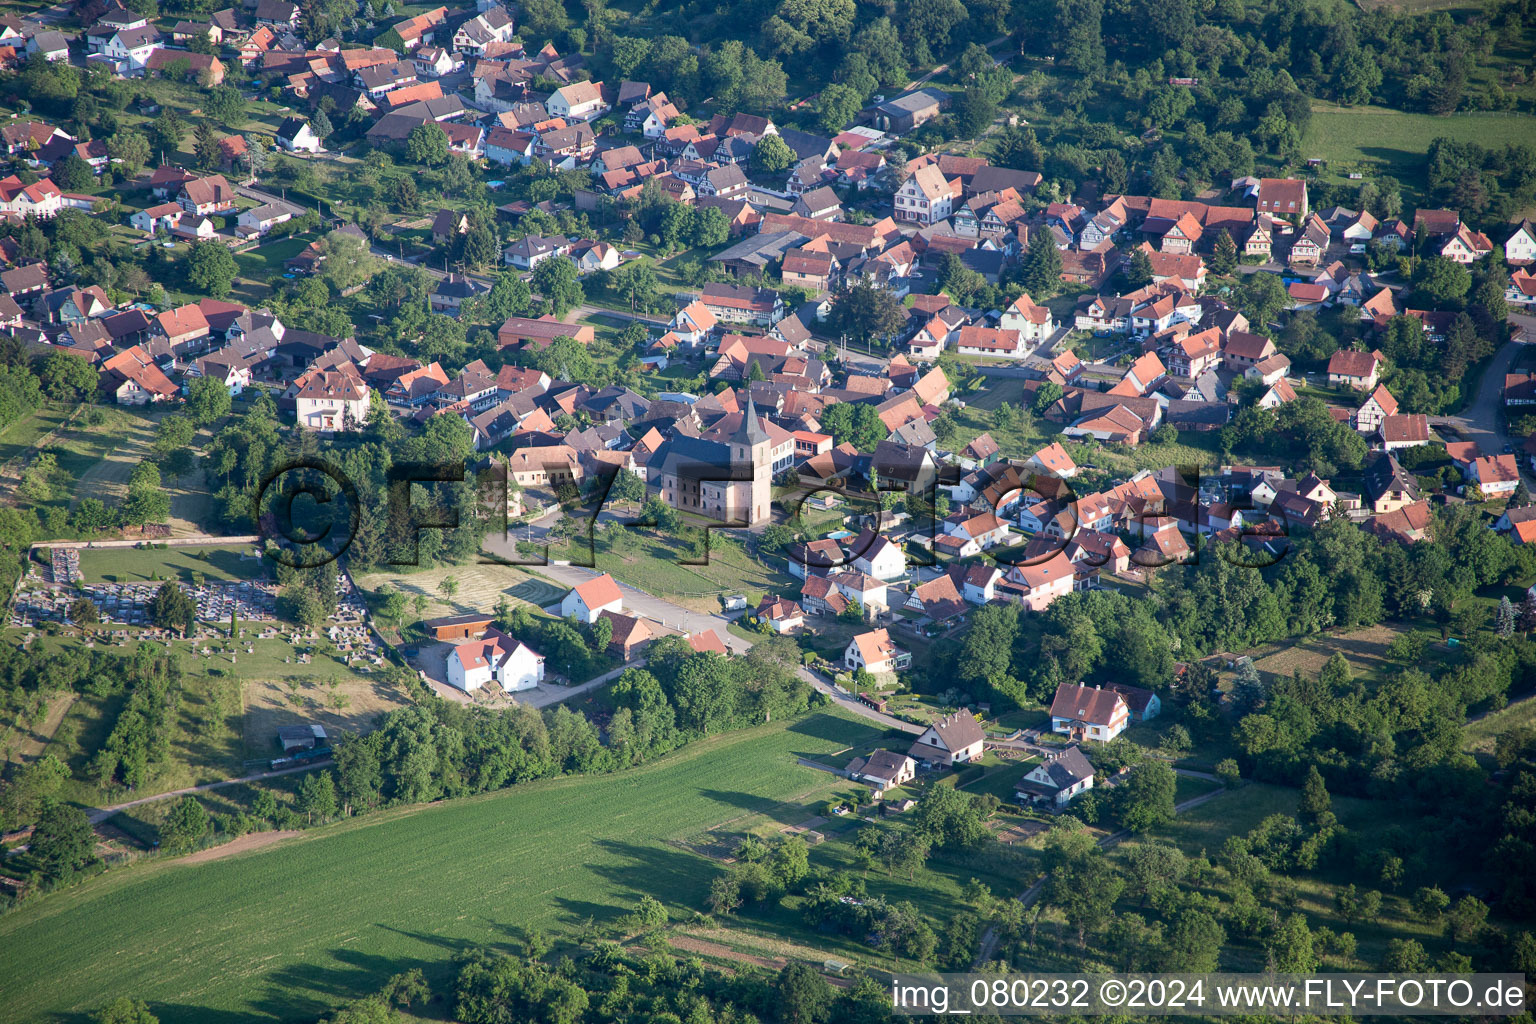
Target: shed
[
  {"x": 300, "y": 737},
  {"x": 459, "y": 627}
]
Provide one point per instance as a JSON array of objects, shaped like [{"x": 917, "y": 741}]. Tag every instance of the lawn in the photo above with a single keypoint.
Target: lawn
[
  {"x": 654, "y": 563},
  {"x": 479, "y": 586},
  {"x": 1479, "y": 736},
  {"x": 1364, "y": 649},
  {"x": 28, "y": 430},
  {"x": 331, "y": 915},
  {"x": 263, "y": 261},
  {"x": 1375, "y": 141},
  {"x": 138, "y": 565}
]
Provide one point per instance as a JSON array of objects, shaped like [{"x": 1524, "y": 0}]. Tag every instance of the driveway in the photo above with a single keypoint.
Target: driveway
[
  {"x": 679, "y": 618},
  {"x": 1481, "y": 421}
]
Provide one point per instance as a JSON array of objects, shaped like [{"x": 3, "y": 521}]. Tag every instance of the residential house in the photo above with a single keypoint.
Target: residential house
[
  {"x": 1038, "y": 583},
  {"x": 878, "y": 556},
  {"x": 330, "y": 400},
  {"x": 743, "y": 304},
  {"x": 1495, "y": 474},
  {"x": 1088, "y": 714},
  {"x": 579, "y": 101},
  {"x": 1032, "y": 321},
  {"x": 630, "y": 634},
  {"x": 591, "y": 599},
  {"x": 1355, "y": 369},
  {"x": 926, "y": 197},
  {"x": 952, "y": 740},
  {"x": 875, "y": 652},
  {"x": 781, "y": 614},
  {"x": 882, "y": 769},
  {"x": 132, "y": 378},
  {"x": 1404, "y": 431},
  {"x": 1056, "y": 779},
  {"x": 494, "y": 658},
  {"x": 1386, "y": 485},
  {"x": 1520, "y": 247},
  {"x": 1375, "y": 409}
]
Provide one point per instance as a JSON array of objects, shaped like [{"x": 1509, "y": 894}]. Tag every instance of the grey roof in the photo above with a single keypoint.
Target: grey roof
[
  {"x": 881, "y": 764},
  {"x": 818, "y": 199},
  {"x": 1184, "y": 412},
  {"x": 909, "y": 103},
  {"x": 1383, "y": 473},
  {"x": 760, "y": 249},
  {"x": 804, "y": 144},
  {"x": 1068, "y": 768}
]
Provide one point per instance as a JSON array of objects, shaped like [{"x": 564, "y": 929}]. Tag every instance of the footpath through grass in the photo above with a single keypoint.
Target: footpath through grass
[{"x": 289, "y": 932}]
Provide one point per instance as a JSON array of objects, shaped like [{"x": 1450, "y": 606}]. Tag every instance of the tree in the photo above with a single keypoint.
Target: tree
[
  {"x": 1229, "y": 773},
  {"x": 66, "y": 378},
  {"x": 83, "y": 612},
  {"x": 1145, "y": 799},
  {"x": 208, "y": 400},
  {"x": 123, "y": 1010},
  {"x": 212, "y": 269},
  {"x": 1047, "y": 395},
  {"x": 837, "y": 106},
  {"x": 1262, "y": 297},
  {"x": 724, "y": 894},
  {"x": 1430, "y": 903},
  {"x": 205, "y": 146},
  {"x": 801, "y": 995},
  {"x": 130, "y": 149},
  {"x": 427, "y": 144},
  {"x": 1138, "y": 270},
  {"x": 1292, "y": 947},
  {"x": 856, "y": 424},
  {"x": 1405, "y": 956},
  {"x": 348, "y": 261},
  {"x": 1315, "y": 801},
  {"x": 1504, "y": 619},
  {"x": 478, "y": 247},
  {"x": 321, "y": 125},
  {"x": 1042, "y": 266},
  {"x": 74, "y": 173},
  {"x": 864, "y": 312},
  {"x": 1224, "y": 259},
  {"x": 185, "y": 826},
  {"x": 1440, "y": 282},
  {"x": 62, "y": 843},
  {"x": 556, "y": 279},
  {"x": 172, "y": 608},
  {"x": 567, "y": 359},
  {"x": 317, "y": 796},
  {"x": 1466, "y": 919},
  {"x": 772, "y": 155}
]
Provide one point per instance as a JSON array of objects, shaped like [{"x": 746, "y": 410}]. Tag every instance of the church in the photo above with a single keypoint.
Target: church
[{"x": 727, "y": 474}]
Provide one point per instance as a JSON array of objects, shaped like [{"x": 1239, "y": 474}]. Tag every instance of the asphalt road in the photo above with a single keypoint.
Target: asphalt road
[
  {"x": 1481, "y": 421},
  {"x": 680, "y": 618}
]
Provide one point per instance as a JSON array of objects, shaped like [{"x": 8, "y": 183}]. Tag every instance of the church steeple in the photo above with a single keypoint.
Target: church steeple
[{"x": 751, "y": 431}]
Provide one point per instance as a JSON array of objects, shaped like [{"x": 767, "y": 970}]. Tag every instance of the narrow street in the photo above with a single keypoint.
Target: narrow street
[{"x": 677, "y": 617}]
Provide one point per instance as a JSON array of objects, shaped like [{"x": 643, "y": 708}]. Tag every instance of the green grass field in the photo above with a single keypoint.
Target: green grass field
[
  {"x": 1479, "y": 736},
  {"x": 331, "y": 915},
  {"x": 137, "y": 565},
  {"x": 1373, "y": 140}
]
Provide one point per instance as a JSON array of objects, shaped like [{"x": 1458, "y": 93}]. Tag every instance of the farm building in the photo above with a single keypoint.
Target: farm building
[{"x": 459, "y": 627}]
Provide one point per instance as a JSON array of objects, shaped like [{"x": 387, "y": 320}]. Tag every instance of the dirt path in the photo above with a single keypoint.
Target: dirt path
[
  {"x": 99, "y": 814},
  {"x": 36, "y": 739},
  {"x": 714, "y": 949},
  {"x": 253, "y": 841}
]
